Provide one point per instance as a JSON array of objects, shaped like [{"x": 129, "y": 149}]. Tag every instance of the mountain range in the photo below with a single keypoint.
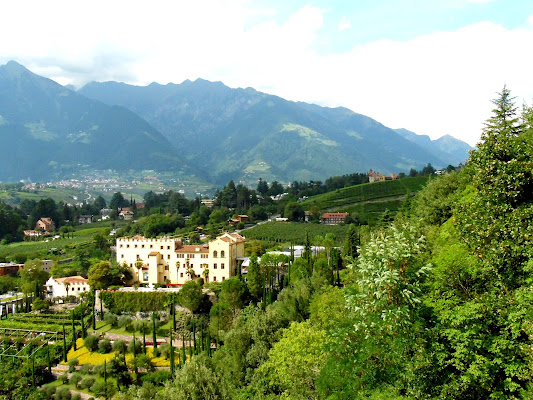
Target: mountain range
[{"x": 207, "y": 128}]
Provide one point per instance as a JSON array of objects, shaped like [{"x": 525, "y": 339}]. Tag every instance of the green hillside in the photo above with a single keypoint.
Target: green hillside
[
  {"x": 368, "y": 200},
  {"x": 293, "y": 232}
]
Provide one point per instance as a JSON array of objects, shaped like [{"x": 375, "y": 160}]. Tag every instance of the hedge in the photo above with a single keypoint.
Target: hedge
[{"x": 119, "y": 302}]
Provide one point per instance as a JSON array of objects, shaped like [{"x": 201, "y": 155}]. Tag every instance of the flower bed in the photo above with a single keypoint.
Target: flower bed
[{"x": 84, "y": 356}]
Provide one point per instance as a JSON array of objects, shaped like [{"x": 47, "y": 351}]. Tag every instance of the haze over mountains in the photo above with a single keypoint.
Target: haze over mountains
[{"x": 212, "y": 130}]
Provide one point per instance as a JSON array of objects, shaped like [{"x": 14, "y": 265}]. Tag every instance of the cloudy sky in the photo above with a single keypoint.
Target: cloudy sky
[{"x": 428, "y": 66}]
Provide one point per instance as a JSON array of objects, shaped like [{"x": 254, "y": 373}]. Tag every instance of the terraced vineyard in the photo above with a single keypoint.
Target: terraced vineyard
[{"x": 368, "y": 200}]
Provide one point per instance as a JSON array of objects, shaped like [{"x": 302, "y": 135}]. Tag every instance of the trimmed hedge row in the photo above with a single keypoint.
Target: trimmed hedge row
[{"x": 119, "y": 302}]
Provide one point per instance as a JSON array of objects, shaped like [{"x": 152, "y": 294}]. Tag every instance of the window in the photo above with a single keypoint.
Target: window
[
  {"x": 145, "y": 276},
  {"x": 214, "y": 278},
  {"x": 135, "y": 246},
  {"x": 215, "y": 266},
  {"x": 151, "y": 246},
  {"x": 131, "y": 265},
  {"x": 122, "y": 256},
  {"x": 205, "y": 256},
  {"x": 128, "y": 246},
  {"x": 223, "y": 278},
  {"x": 121, "y": 246},
  {"x": 161, "y": 247},
  {"x": 222, "y": 253},
  {"x": 221, "y": 265},
  {"x": 168, "y": 247},
  {"x": 142, "y": 246},
  {"x": 215, "y": 254},
  {"x": 168, "y": 256},
  {"x": 166, "y": 267},
  {"x": 181, "y": 275},
  {"x": 137, "y": 256}
]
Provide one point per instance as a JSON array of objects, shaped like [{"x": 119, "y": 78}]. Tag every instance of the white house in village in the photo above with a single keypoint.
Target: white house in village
[
  {"x": 69, "y": 286},
  {"x": 167, "y": 260}
]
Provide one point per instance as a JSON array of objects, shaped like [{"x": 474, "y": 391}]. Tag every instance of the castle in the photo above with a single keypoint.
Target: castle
[{"x": 167, "y": 260}]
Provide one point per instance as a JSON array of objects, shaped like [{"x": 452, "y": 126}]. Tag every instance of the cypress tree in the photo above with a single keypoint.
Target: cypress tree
[
  {"x": 174, "y": 314},
  {"x": 171, "y": 353},
  {"x": 73, "y": 333},
  {"x": 105, "y": 379},
  {"x": 144, "y": 339},
  {"x": 64, "y": 344},
  {"x": 48, "y": 358},
  {"x": 154, "y": 333},
  {"x": 184, "y": 357}
]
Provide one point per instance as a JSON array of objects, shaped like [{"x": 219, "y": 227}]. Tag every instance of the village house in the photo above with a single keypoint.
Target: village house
[
  {"x": 126, "y": 214},
  {"x": 32, "y": 233},
  {"x": 10, "y": 268},
  {"x": 45, "y": 224},
  {"x": 377, "y": 177},
  {"x": 167, "y": 260},
  {"x": 85, "y": 219},
  {"x": 69, "y": 286},
  {"x": 333, "y": 218}
]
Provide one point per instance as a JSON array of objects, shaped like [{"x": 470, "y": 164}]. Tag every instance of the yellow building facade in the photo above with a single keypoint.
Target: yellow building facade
[{"x": 167, "y": 260}]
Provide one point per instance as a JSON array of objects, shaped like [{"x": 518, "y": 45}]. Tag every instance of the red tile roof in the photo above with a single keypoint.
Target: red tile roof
[
  {"x": 335, "y": 215},
  {"x": 191, "y": 248}
]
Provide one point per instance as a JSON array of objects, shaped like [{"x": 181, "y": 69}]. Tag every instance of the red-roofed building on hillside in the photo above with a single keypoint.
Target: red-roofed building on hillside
[{"x": 334, "y": 218}]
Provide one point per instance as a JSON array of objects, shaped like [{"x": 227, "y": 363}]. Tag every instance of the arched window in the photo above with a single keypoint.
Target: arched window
[
  {"x": 215, "y": 253},
  {"x": 222, "y": 253}
]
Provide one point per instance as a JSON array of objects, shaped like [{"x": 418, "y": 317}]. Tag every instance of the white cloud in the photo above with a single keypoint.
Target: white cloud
[
  {"x": 344, "y": 24},
  {"x": 434, "y": 84}
]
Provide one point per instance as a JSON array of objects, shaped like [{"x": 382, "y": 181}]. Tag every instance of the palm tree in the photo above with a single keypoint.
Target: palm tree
[
  {"x": 205, "y": 272},
  {"x": 177, "y": 270},
  {"x": 139, "y": 265},
  {"x": 190, "y": 271},
  {"x": 67, "y": 284}
]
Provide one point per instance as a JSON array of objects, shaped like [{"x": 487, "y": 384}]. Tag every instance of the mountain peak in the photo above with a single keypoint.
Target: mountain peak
[{"x": 13, "y": 68}]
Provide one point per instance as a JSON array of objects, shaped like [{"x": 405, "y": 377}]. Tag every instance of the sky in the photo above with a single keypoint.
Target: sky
[{"x": 432, "y": 67}]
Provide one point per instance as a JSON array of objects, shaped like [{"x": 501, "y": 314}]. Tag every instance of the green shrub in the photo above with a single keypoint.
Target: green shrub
[
  {"x": 104, "y": 346},
  {"x": 111, "y": 319},
  {"x": 119, "y": 346},
  {"x": 76, "y": 378},
  {"x": 87, "y": 369},
  {"x": 138, "y": 346},
  {"x": 63, "y": 377},
  {"x": 72, "y": 364},
  {"x": 158, "y": 378},
  {"x": 164, "y": 350},
  {"x": 125, "y": 322},
  {"x": 77, "y": 396},
  {"x": 100, "y": 389},
  {"x": 91, "y": 342},
  {"x": 49, "y": 391},
  {"x": 63, "y": 393},
  {"x": 87, "y": 382},
  {"x": 141, "y": 326}
]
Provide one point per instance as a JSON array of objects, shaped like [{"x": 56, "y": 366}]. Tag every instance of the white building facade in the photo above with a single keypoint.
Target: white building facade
[
  {"x": 69, "y": 286},
  {"x": 167, "y": 260}
]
